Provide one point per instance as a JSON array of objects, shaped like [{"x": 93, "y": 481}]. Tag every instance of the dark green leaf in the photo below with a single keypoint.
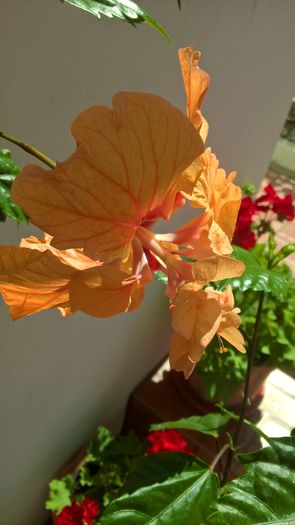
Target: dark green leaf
[
  {"x": 60, "y": 493},
  {"x": 123, "y": 9},
  {"x": 208, "y": 424},
  {"x": 246, "y": 256},
  {"x": 261, "y": 280},
  {"x": 256, "y": 277},
  {"x": 6, "y": 163},
  {"x": 179, "y": 4},
  {"x": 8, "y": 208},
  {"x": 164, "y": 489},
  {"x": 8, "y": 172},
  {"x": 265, "y": 494}
]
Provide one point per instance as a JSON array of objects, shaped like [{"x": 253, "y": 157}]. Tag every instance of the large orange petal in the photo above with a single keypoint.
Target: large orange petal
[
  {"x": 127, "y": 160},
  {"x": 194, "y": 315},
  {"x": 196, "y": 82},
  {"x": 219, "y": 241},
  {"x": 31, "y": 280},
  {"x": 74, "y": 258},
  {"x": 103, "y": 292},
  {"x": 216, "y": 268}
]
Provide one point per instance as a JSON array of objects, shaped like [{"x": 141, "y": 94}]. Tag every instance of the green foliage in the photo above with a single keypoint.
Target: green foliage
[
  {"x": 8, "y": 172},
  {"x": 279, "y": 256},
  {"x": 107, "y": 462},
  {"x": 209, "y": 424},
  {"x": 256, "y": 277},
  {"x": 248, "y": 190},
  {"x": 123, "y": 9},
  {"x": 180, "y": 489},
  {"x": 164, "y": 489},
  {"x": 221, "y": 373},
  {"x": 265, "y": 494},
  {"x": 60, "y": 493}
]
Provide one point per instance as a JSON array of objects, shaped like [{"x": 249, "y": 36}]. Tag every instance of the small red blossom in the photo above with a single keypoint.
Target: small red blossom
[
  {"x": 270, "y": 200},
  {"x": 244, "y": 236},
  {"x": 78, "y": 514},
  {"x": 168, "y": 441}
]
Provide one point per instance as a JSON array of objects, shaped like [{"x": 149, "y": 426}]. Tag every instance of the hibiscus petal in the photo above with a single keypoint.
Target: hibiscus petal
[
  {"x": 196, "y": 82},
  {"x": 194, "y": 315},
  {"x": 103, "y": 292},
  {"x": 153, "y": 140},
  {"x": 234, "y": 337},
  {"x": 216, "y": 268},
  {"x": 179, "y": 355},
  {"x": 31, "y": 280},
  {"x": 127, "y": 160}
]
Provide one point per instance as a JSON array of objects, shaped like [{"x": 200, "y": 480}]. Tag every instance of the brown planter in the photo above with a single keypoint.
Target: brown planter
[{"x": 259, "y": 375}]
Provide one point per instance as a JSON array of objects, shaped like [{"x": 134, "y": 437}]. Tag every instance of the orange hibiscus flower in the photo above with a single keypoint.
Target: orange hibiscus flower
[
  {"x": 97, "y": 207},
  {"x": 212, "y": 231},
  {"x": 197, "y": 316}
]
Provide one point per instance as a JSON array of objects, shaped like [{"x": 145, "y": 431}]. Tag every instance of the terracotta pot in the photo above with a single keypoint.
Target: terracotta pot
[{"x": 259, "y": 375}]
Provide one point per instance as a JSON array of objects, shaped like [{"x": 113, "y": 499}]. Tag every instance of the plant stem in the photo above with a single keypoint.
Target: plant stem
[
  {"x": 29, "y": 149},
  {"x": 251, "y": 353},
  {"x": 218, "y": 456}
]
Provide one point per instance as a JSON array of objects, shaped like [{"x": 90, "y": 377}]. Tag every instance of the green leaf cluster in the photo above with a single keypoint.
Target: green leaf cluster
[
  {"x": 107, "y": 462},
  {"x": 265, "y": 494},
  {"x": 257, "y": 277},
  {"x": 8, "y": 171},
  {"x": 180, "y": 489},
  {"x": 126, "y": 10},
  {"x": 222, "y": 373}
]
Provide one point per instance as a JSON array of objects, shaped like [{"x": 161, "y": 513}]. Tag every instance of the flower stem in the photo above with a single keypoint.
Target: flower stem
[
  {"x": 29, "y": 149},
  {"x": 251, "y": 354},
  {"x": 218, "y": 456}
]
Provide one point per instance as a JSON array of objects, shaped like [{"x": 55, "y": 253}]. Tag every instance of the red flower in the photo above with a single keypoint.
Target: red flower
[
  {"x": 244, "y": 236},
  {"x": 283, "y": 206},
  {"x": 78, "y": 514},
  {"x": 168, "y": 441}
]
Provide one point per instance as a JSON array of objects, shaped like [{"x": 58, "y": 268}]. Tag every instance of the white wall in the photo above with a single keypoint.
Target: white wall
[{"x": 60, "y": 378}]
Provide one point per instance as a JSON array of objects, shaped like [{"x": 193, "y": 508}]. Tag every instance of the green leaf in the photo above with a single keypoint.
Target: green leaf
[
  {"x": 283, "y": 253},
  {"x": 179, "y": 4},
  {"x": 265, "y": 494},
  {"x": 248, "y": 190},
  {"x": 8, "y": 208},
  {"x": 60, "y": 493},
  {"x": 8, "y": 172},
  {"x": 161, "y": 277},
  {"x": 261, "y": 280},
  {"x": 123, "y": 9},
  {"x": 256, "y": 277},
  {"x": 164, "y": 489},
  {"x": 208, "y": 424}
]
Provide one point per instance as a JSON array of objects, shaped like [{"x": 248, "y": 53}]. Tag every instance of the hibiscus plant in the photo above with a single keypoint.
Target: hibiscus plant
[
  {"x": 222, "y": 370},
  {"x": 134, "y": 164}
]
